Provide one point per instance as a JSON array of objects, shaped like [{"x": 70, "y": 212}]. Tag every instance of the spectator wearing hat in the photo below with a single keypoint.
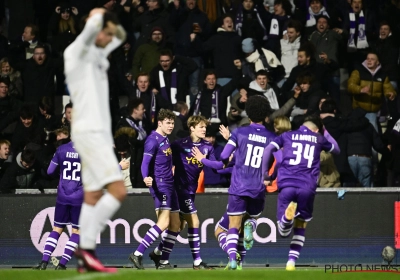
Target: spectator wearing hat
[
  {"x": 147, "y": 55},
  {"x": 326, "y": 42},
  {"x": 63, "y": 27},
  {"x": 156, "y": 15},
  {"x": 257, "y": 58}
]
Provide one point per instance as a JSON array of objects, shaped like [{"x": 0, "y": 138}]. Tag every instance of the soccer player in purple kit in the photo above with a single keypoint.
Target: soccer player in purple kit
[
  {"x": 297, "y": 180},
  {"x": 68, "y": 206},
  {"x": 157, "y": 175},
  {"x": 189, "y": 155},
  {"x": 247, "y": 191}
]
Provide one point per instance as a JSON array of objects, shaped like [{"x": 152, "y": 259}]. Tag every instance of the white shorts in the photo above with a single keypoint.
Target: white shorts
[{"x": 99, "y": 163}]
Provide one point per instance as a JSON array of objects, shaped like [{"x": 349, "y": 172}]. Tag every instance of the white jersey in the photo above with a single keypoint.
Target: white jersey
[{"x": 86, "y": 77}]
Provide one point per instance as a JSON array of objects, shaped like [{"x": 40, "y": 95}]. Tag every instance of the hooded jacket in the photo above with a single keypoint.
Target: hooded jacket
[{"x": 378, "y": 82}]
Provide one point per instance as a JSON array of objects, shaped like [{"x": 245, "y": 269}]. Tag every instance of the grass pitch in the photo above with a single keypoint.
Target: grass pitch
[{"x": 188, "y": 274}]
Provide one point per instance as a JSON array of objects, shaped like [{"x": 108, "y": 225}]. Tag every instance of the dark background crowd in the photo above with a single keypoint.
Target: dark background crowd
[{"x": 338, "y": 59}]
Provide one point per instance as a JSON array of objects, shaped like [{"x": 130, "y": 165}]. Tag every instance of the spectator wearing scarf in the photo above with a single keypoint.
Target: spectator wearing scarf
[
  {"x": 360, "y": 24},
  {"x": 260, "y": 59},
  {"x": 170, "y": 78},
  {"x": 211, "y": 101},
  {"x": 250, "y": 21},
  {"x": 278, "y": 24}
]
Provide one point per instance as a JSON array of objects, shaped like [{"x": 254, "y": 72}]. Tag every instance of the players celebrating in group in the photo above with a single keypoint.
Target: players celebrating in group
[{"x": 296, "y": 169}]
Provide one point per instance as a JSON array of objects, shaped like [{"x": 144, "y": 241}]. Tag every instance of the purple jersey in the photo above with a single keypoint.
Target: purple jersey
[
  {"x": 70, "y": 190},
  {"x": 160, "y": 167},
  {"x": 300, "y": 159},
  {"x": 187, "y": 167},
  {"x": 250, "y": 142}
]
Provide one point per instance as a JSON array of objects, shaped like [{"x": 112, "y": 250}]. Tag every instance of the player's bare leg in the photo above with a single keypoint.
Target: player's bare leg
[
  {"x": 97, "y": 209},
  {"x": 285, "y": 224}
]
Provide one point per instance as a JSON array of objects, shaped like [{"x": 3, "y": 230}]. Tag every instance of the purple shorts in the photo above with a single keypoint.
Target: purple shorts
[
  {"x": 304, "y": 199},
  {"x": 223, "y": 223},
  {"x": 239, "y": 205},
  {"x": 67, "y": 215},
  {"x": 165, "y": 199},
  {"x": 186, "y": 203}
]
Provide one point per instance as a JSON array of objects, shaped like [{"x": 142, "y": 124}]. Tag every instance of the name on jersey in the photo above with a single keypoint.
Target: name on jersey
[
  {"x": 303, "y": 137},
  {"x": 257, "y": 138},
  {"x": 71, "y": 155}
]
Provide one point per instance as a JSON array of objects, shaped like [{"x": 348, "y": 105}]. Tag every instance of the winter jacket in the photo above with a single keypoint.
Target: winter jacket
[
  {"x": 224, "y": 54},
  {"x": 378, "y": 82},
  {"x": 289, "y": 54},
  {"x": 182, "y": 20}
]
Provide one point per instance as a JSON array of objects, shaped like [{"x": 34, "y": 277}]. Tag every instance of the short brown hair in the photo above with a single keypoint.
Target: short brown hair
[
  {"x": 195, "y": 120},
  {"x": 143, "y": 74},
  {"x": 4, "y": 141},
  {"x": 63, "y": 130},
  {"x": 282, "y": 124},
  {"x": 305, "y": 78},
  {"x": 165, "y": 114}
]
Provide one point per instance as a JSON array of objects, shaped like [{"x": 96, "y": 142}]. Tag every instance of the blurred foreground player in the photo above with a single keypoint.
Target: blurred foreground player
[
  {"x": 297, "y": 180},
  {"x": 86, "y": 67},
  {"x": 68, "y": 206}
]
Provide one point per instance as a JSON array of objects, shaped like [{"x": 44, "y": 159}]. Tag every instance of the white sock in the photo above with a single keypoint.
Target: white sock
[
  {"x": 197, "y": 262},
  {"x": 138, "y": 254},
  {"x": 104, "y": 209},
  {"x": 85, "y": 218}
]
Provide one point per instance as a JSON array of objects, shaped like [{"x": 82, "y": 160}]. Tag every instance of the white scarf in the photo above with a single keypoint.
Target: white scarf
[
  {"x": 255, "y": 58},
  {"x": 311, "y": 16},
  {"x": 362, "y": 36},
  {"x": 396, "y": 128},
  {"x": 269, "y": 93}
]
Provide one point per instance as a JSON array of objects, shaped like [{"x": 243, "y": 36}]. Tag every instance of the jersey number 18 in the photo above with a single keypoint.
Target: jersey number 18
[{"x": 254, "y": 156}]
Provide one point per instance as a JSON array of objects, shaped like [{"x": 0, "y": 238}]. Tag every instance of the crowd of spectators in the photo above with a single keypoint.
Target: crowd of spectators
[{"x": 338, "y": 59}]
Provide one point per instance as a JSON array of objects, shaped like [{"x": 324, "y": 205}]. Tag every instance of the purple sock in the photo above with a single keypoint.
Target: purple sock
[
  {"x": 285, "y": 227},
  {"x": 232, "y": 241},
  {"x": 194, "y": 243},
  {"x": 50, "y": 246},
  {"x": 222, "y": 241},
  {"x": 161, "y": 244},
  {"x": 151, "y": 235},
  {"x": 297, "y": 243},
  {"x": 241, "y": 250},
  {"x": 70, "y": 248},
  {"x": 169, "y": 243}
]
